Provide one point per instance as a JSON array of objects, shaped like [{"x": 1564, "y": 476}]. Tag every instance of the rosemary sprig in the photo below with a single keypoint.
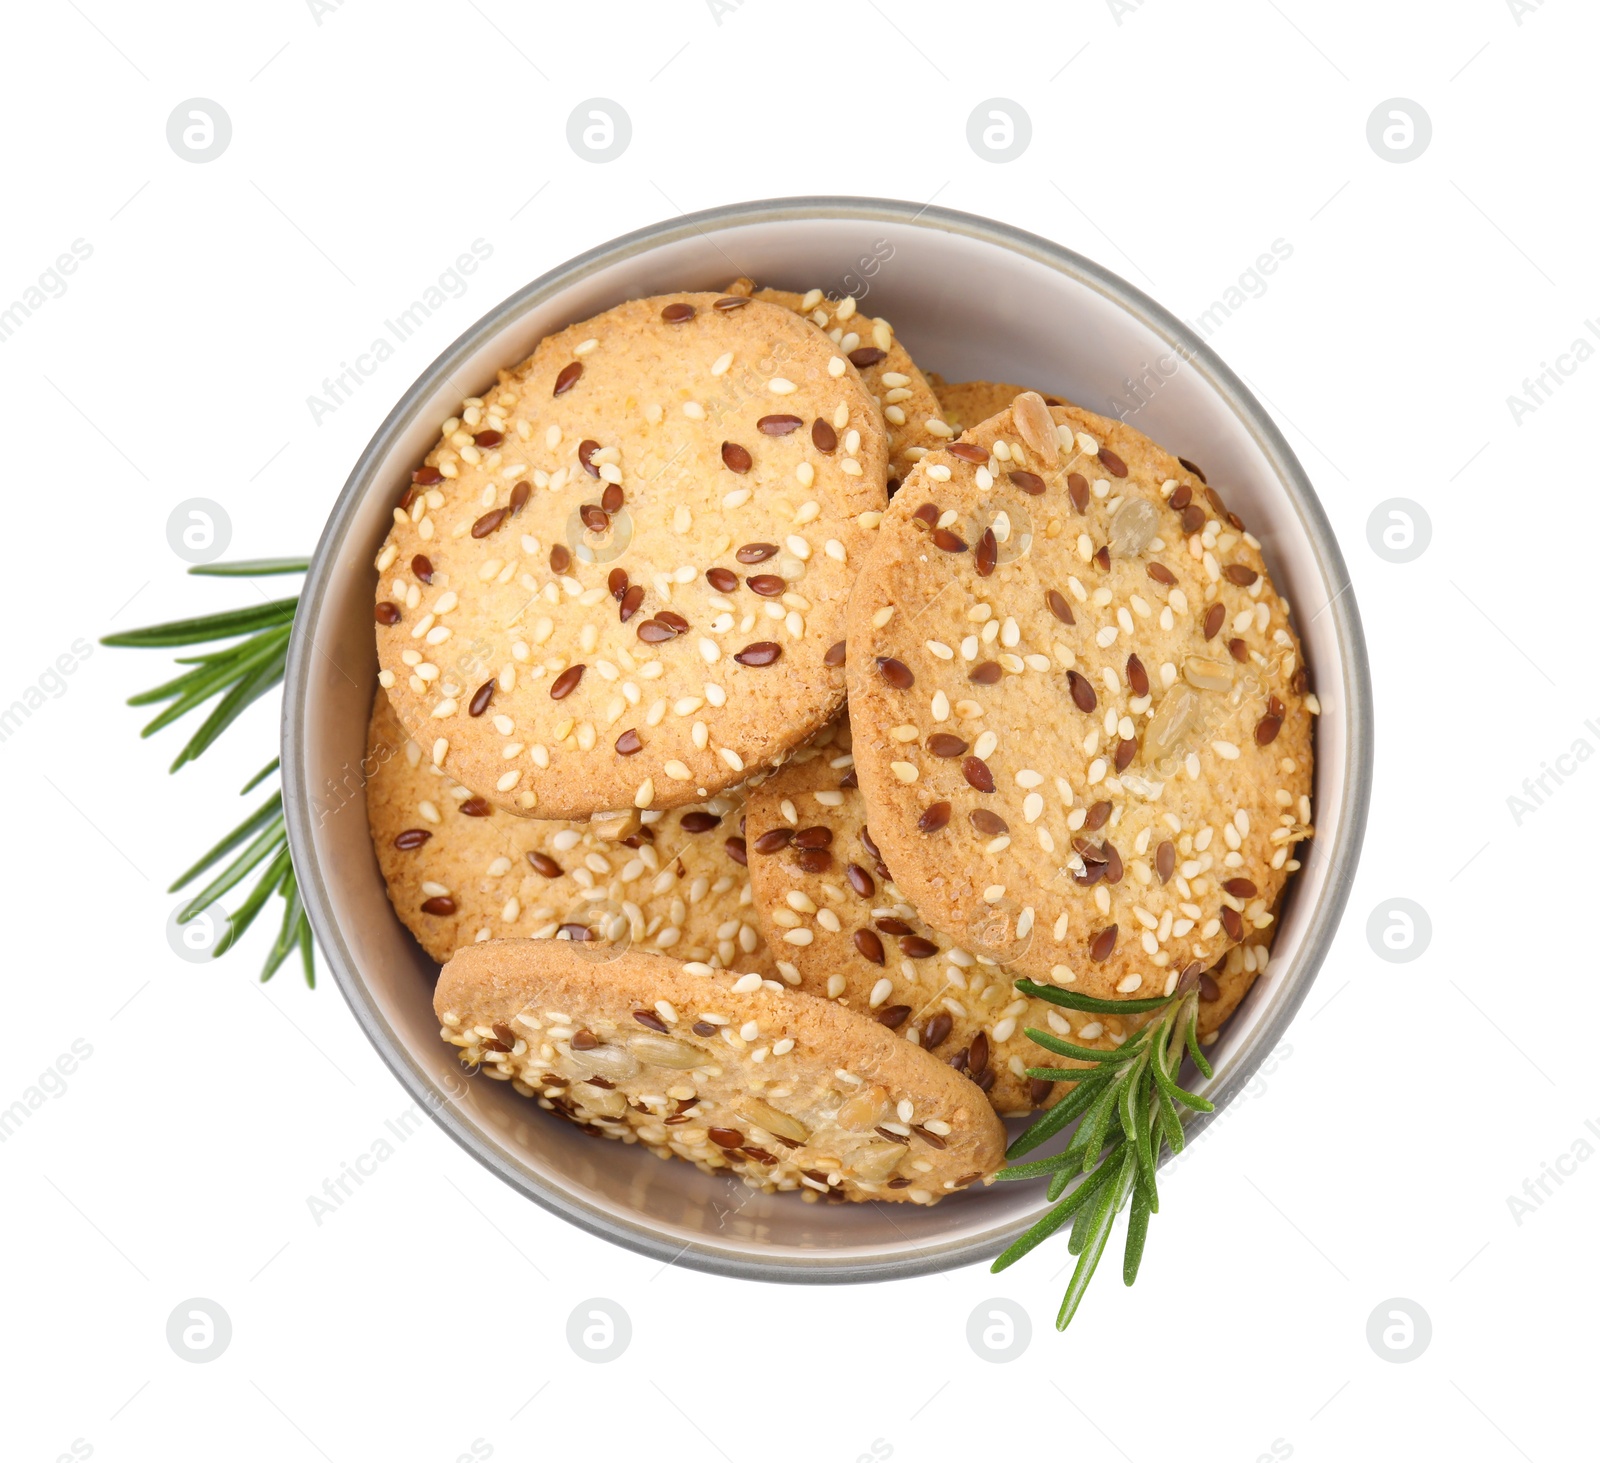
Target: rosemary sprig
[
  {"x": 1125, "y": 1102},
  {"x": 235, "y": 676}
]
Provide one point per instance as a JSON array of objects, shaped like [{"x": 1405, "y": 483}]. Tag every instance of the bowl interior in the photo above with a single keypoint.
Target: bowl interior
[{"x": 971, "y": 300}]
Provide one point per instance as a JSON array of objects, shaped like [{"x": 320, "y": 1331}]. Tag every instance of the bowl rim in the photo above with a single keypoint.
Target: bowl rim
[{"x": 1356, "y": 699}]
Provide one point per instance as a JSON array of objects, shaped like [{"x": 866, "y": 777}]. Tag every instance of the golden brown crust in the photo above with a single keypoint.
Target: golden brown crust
[
  {"x": 729, "y": 1072},
  {"x": 1067, "y": 879},
  {"x": 506, "y": 652},
  {"x": 459, "y": 871}
]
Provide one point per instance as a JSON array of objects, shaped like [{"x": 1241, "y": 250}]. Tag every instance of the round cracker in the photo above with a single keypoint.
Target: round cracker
[
  {"x": 496, "y": 606},
  {"x": 459, "y": 870},
  {"x": 1071, "y": 887},
  {"x": 731, "y": 1072}
]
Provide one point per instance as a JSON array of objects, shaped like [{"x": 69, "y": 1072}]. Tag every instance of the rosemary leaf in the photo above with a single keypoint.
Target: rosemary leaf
[
  {"x": 201, "y": 685},
  {"x": 1067, "y": 1049},
  {"x": 242, "y": 918},
  {"x": 260, "y": 777},
  {"x": 232, "y": 706},
  {"x": 1051, "y": 1222},
  {"x": 1074, "y": 1002},
  {"x": 289, "y": 930},
  {"x": 1138, "y": 1224},
  {"x": 1043, "y": 1128},
  {"x": 263, "y": 815},
  {"x": 251, "y": 568},
  {"x": 265, "y": 846},
  {"x": 223, "y": 626},
  {"x": 1103, "y": 1214},
  {"x": 1191, "y": 1039}
]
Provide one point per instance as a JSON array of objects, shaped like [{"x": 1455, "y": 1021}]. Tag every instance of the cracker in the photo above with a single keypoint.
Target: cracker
[
  {"x": 459, "y": 870},
  {"x": 615, "y": 581},
  {"x": 731, "y": 1072},
  {"x": 1082, "y": 726}
]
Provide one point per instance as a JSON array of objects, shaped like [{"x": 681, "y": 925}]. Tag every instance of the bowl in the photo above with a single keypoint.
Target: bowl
[{"x": 971, "y": 298}]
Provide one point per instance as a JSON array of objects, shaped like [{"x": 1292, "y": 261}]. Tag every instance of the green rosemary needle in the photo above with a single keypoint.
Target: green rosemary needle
[
  {"x": 1125, "y": 1104},
  {"x": 233, "y": 676}
]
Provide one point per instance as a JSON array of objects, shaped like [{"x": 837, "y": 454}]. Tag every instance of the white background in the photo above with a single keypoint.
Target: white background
[{"x": 1172, "y": 142}]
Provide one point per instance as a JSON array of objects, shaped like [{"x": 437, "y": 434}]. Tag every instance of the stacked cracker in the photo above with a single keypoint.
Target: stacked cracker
[{"x": 683, "y": 898}]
